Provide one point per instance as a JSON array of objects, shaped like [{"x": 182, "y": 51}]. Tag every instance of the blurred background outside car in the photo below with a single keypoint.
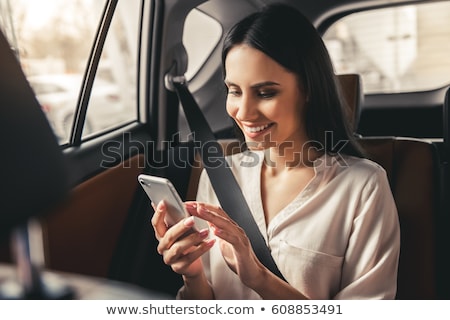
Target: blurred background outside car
[{"x": 406, "y": 50}]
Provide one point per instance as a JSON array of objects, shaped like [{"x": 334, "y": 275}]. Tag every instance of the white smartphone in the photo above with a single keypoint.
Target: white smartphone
[{"x": 157, "y": 189}]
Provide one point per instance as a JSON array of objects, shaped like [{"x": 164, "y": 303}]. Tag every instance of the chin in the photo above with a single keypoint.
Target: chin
[{"x": 257, "y": 144}]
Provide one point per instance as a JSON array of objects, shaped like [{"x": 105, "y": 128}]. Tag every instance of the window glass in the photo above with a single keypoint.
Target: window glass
[
  {"x": 53, "y": 40},
  {"x": 200, "y": 36},
  {"x": 397, "y": 49},
  {"x": 113, "y": 99}
]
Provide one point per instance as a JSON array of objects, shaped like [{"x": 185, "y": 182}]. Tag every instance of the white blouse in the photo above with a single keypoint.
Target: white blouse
[{"x": 338, "y": 239}]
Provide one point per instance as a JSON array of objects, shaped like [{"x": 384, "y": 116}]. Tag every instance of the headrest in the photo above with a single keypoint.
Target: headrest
[
  {"x": 352, "y": 93},
  {"x": 32, "y": 168}
]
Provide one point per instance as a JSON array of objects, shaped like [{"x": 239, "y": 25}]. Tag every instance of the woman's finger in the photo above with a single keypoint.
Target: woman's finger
[
  {"x": 172, "y": 251},
  {"x": 186, "y": 260},
  {"x": 221, "y": 224},
  {"x": 157, "y": 220},
  {"x": 180, "y": 232},
  {"x": 215, "y": 215}
]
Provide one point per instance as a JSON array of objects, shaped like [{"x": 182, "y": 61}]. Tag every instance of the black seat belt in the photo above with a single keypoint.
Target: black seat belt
[{"x": 222, "y": 179}]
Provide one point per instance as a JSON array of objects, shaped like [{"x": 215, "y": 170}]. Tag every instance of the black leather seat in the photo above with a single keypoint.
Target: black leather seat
[{"x": 412, "y": 168}]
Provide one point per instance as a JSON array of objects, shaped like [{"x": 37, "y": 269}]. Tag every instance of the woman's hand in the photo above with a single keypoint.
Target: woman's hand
[
  {"x": 180, "y": 249},
  {"x": 234, "y": 243}
]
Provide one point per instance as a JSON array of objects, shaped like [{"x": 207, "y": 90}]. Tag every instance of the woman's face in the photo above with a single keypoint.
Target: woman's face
[{"x": 263, "y": 98}]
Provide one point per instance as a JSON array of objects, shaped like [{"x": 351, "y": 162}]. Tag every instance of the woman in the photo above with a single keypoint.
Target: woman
[{"x": 326, "y": 213}]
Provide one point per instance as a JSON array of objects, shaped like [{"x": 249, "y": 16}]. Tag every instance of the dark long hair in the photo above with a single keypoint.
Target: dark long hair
[{"x": 289, "y": 38}]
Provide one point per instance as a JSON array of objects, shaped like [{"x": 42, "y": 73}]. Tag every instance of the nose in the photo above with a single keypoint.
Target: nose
[{"x": 245, "y": 108}]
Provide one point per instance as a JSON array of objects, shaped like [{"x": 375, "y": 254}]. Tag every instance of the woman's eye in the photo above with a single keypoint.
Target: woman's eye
[
  {"x": 266, "y": 94},
  {"x": 234, "y": 92}
]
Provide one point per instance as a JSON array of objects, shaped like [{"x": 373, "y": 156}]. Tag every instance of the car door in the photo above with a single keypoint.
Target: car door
[{"x": 89, "y": 52}]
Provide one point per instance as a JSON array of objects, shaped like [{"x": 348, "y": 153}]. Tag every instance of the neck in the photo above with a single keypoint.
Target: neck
[{"x": 282, "y": 158}]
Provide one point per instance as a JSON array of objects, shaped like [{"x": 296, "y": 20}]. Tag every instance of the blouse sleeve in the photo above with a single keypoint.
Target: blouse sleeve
[{"x": 370, "y": 265}]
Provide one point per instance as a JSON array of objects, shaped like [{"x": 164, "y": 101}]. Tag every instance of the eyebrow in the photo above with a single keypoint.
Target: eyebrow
[{"x": 255, "y": 86}]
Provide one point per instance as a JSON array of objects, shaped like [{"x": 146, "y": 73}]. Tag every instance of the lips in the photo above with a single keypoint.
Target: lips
[{"x": 256, "y": 129}]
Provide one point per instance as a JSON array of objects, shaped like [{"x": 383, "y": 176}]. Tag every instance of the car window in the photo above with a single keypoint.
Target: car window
[
  {"x": 113, "y": 99},
  {"x": 401, "y": 49},
  {"x": 201, "y": 35},
  {"x": 53, "y": 41}
]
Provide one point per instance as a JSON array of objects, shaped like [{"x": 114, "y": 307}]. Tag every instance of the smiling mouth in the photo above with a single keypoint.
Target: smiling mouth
[{"x": 257, "y": 128}]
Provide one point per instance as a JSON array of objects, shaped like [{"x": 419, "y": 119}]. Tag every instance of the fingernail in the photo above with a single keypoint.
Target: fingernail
[
  {"x": 204, "y": 232},
  {"x": 189, "y": 222},
  {"x": 210, "y": 242}
]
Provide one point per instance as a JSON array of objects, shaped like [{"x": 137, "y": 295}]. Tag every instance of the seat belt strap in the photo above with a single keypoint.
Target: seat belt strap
[{"x": 222, "y": 179}]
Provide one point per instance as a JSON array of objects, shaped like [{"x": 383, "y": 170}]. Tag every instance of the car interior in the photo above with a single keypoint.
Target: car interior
[{"x": 98, "y": 224}]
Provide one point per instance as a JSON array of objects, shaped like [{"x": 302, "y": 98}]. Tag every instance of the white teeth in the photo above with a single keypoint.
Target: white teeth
[{"x": 256, "y": 129}]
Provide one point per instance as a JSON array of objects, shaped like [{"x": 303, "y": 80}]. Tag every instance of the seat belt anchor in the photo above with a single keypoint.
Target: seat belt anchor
[{"x": 170, "y": 79}]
